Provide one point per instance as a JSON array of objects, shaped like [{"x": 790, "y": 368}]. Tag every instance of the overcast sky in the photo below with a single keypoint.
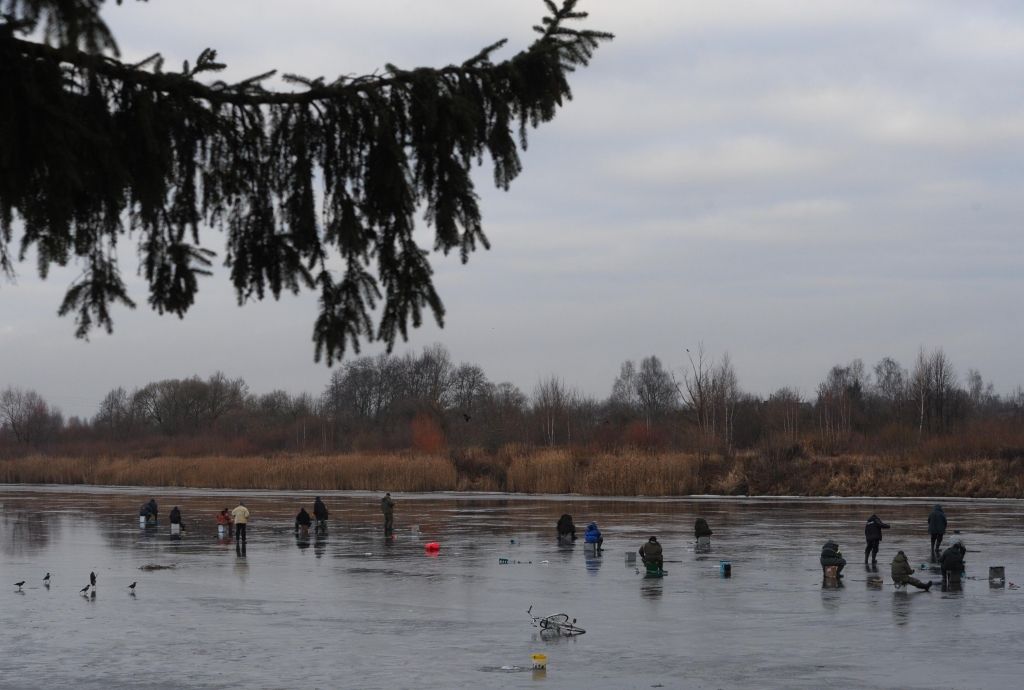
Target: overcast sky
[{"x": 796, "y": 183}]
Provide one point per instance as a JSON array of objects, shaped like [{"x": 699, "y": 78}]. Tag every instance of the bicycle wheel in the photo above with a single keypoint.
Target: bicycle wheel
[{"x": 555, "y": 621}]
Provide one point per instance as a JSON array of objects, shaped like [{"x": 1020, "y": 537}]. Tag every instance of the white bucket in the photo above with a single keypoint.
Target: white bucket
[
  {"x": 221, "y": 530},
  {"x": 142, "y": 521},
  {"x": 175, "y": 530},
  {"x": 631, "y": 557}
]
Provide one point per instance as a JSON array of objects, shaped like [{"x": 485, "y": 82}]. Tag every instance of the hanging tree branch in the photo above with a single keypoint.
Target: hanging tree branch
[{"x": 89, "y": 141}]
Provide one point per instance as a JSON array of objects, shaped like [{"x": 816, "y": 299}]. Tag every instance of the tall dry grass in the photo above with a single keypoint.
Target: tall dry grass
[{"x": 518, "y": 469}]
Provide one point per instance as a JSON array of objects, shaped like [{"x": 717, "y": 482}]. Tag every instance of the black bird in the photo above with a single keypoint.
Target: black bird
[
  {"x": 47, "y": 578},
  {"x": 84, "y": 589},
  {"x": 19, "y": 584},
  {"x": 132, "y": 587},
  {"x": 92, "y": 579}
]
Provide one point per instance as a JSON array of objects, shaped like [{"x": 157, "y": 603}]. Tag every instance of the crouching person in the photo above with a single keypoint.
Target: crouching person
[
  {"x": 901, "y": 573},
  {"x": 831, "y": 556}
]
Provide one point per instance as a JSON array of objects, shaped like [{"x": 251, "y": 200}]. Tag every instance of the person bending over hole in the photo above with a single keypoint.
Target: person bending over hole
[
  {"x": 566, "y": 528},
  {"x": 951, "y": 563},
  {"x": 651, "y": 554},
  {"x": 302, "y": 522},
  {"x": 593, "y": 536}
]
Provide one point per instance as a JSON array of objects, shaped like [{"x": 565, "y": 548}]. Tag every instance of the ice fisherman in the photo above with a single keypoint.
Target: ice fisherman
[
  {"x": 593, "y": 536},
  {"x": 936, "y": 527},
  {"x": 651, "y": 553},
  {"x": 175, "y": 519},
  {"x": 566, "y": 528},
  {"x": 224, "y": 521},
  {"x": 149, "y": 511},
  {"x": 901, "y": 573},
  {"x": 240, "y": 514},
  {"x": 387, "y": 506},
  {"x": 320, "y": 513},
  {"x": 873, "y": 535},
  {"x": 303, "y": 521},
  {"x": 830, "y": 555},
  {"x": 952, "y": 561},
  {"x": 702, "y": 533}
]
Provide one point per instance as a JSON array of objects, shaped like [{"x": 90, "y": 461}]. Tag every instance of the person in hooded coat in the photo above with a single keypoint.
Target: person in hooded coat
[
  {"x": 830, "y": 555},
  {"x": 873, "y": 536},
  {"x": 651, "y": 553},
  {"x": 566, "y": 528},
  {"x": 303, "y": 521},
  {"x": 901, "y": 573},
  {"x": 701, "y": 529},
  {"x": 320, "y": 513},
  {"x": 936, "y": 527},
  {"x": 952, "y": 560},
  {"x": 387, "y": 506},
  {"x": 593, "y": 536}
]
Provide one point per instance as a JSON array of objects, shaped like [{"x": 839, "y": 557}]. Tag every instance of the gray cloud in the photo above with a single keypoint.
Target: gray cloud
[{"x": 799, "y": 183}]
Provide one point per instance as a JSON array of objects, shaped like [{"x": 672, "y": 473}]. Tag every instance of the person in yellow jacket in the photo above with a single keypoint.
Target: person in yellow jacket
[{"x": 241, "y": 517}]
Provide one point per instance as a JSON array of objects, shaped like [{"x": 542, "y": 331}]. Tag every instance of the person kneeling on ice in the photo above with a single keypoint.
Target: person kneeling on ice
[
  {"x": 566, "y": 528},
  {"x": 593, "y": 536},
  {"x": 224, "y": 523},
  {"x": 830, "y": 556},
  {"x": 952, "y": 561},
  {"x": 901, "y": 573},
  {"x": 303, "y": 521},
  {"x": 651, "y": 554}
]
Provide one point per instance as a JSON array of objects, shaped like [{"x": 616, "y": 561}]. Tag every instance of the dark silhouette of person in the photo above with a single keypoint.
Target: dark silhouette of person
[
  {"x": 566, "y": 528},
  {"x": 952, "y": 562},
  {"x": 387, "y": 506},
  {"x": 830, "y": 555},
  {"x": 936, "y": 527},
  {"x": 303, "y": 521},
  {"x": 320, "y": 513},
  {"x": 873, "y": 535}
]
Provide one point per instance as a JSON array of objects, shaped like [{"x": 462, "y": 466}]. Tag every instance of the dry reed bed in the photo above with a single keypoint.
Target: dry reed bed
[{"x": 544, "y": 471}]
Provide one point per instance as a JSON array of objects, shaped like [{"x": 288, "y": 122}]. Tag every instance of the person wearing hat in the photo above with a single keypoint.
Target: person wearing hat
[
  {"x": 320, "y": 513},
  {"x": 952, "y": 562},
  {"x": 651, "y": 554},
  {"x": 831, "y": 556},
  {"x": 901, "y": 573},
  {"x": 936, "y": 528}
]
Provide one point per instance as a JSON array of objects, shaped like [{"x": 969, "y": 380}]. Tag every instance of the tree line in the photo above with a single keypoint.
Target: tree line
[{"x": 429, "y": 403}]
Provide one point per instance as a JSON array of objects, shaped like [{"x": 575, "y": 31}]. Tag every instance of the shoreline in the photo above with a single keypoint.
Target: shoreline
[{"x": 542, "y": 472}]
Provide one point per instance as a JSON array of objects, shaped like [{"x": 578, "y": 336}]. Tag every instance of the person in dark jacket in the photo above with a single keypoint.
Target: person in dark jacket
[
  {"x": 593, "y": 536},
  {"x": 936, "y": 528},
  {"x": 873, "y": 535},
  {"x": 952, "y": 561},
  {"x": 830, "y": 555},
  {"x": 901, "y": 573},
  {"x": 152, "y": 508},
  {"x": 320, "y": 513},
  {"x": 651, "y": 553},
  {"x": 175, "y": 516},
  {"x": 303, "y": 521},
  {"x": 566, "y": 528},
  {"x": 701, "y": 529},
  {"x": 387, "y": 506}
]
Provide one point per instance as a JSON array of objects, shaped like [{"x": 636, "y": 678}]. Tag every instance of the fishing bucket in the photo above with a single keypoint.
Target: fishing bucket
[{"x": 725, "y": 568}]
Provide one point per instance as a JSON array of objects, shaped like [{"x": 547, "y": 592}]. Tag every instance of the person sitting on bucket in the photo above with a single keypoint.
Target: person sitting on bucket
[
  {"x": 952, "y": 560},
  {"x": 224, "y": 520},
  {"x": 593, "y": 536},
  {"x": 901, "y": 573},
  {"x": 175, "y": 518},
  {"x": 651, "y": 554},
  {"x": 701, "y": 529},
  {"x": 303, "y": 521},
  {"x": 566, "y": 529},
  {"x": 830, "y": 556}
]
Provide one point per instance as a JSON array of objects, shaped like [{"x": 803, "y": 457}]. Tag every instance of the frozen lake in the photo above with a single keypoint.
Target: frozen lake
[{"x": 351, "y": 610}]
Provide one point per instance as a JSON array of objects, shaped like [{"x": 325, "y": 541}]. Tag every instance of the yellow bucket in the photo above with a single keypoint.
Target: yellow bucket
[{"x": 539, "y": 660}]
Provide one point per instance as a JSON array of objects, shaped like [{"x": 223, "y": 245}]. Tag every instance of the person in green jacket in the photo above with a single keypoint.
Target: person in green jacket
[
  {"x": 901, "y": 573},
  {"x": 830, "y": 555}
]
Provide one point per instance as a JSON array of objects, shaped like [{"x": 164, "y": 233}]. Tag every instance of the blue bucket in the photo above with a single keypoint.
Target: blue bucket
[{"x": 725, "y": 568}]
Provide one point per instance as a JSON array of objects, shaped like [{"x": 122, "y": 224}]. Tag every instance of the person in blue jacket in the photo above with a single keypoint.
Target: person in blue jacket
[{"x": 593, "y": 535}]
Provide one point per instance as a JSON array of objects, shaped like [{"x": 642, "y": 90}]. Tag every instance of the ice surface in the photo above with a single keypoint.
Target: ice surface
[{"x": 322, "y": 613}]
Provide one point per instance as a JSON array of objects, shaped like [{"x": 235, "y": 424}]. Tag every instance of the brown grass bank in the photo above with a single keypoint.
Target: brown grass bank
[{"x": 545, "y": 471}]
